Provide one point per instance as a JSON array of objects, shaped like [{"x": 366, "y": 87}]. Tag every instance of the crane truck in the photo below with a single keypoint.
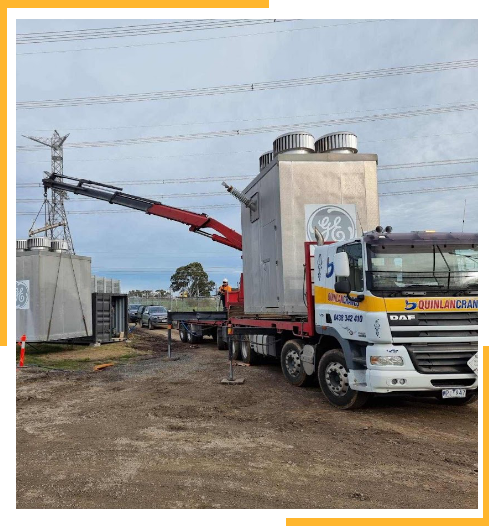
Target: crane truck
[{"x": 385, "y": 313}]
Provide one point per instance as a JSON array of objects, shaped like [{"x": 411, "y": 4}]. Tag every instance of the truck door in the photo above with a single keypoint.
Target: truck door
[{"x": 348, "y": 316}]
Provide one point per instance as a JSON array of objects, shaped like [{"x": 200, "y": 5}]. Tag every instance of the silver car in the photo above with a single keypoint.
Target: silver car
[{"x": 152, "y": 317}]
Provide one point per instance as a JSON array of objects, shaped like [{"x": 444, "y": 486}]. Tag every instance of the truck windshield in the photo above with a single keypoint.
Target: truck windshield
[{"x": 442, "y": 268}]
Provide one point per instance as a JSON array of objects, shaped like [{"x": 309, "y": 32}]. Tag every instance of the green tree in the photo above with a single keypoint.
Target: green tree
[{"x": 193, "y": 279}]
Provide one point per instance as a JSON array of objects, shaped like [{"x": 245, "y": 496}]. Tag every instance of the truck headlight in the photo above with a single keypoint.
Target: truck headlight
[{"x": 386, "y": 360}]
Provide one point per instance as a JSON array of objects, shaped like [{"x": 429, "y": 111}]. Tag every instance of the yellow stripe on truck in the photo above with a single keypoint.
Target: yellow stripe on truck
[{"x": 325, "y": 296}]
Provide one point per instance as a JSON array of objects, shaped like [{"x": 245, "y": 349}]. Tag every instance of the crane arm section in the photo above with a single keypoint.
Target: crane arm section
[{"x": 114, "y": 195}]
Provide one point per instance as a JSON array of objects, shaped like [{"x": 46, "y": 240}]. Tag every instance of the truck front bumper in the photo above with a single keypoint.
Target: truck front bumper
[{"x": 391, "y": 381}]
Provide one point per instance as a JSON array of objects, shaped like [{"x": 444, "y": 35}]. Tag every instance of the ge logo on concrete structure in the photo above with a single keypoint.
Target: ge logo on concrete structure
[
  {"x": 22, "y": 294},
  {"x": 336, "y": 223}
]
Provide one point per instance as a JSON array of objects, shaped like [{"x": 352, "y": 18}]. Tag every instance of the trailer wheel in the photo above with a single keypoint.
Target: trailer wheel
[
  {"x": 248, "y": 355},
  {"x": 333, "y": 379},
  {"x": 191, "y": 338},
  {"x": 182, "y": 333},
  {"x": 236, "y": 348},
  {"x": 469, "y": 399},
  {"x": 290, "y": 358},
  {"x": 221, "y": 342}
]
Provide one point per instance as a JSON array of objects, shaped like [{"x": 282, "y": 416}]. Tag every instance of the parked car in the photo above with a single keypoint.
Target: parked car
[
  {"x": 154, "y": 316},
  {"x": 132, "y": 310},
  {"x": 139, "y": 312}
]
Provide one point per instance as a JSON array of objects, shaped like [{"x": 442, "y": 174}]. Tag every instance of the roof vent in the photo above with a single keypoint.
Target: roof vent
[
  {"x": 337, "y": 142},
  {"x": 59, "y": 245},
  {"x": 297, "y": 142},
  {"x": 266, "y": 159},
  {"x": 21, "y": 244},
  {"x": 38, "y": 243}
]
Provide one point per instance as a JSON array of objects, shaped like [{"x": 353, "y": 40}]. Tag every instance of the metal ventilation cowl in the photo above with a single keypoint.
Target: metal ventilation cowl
[
  {"x": 38, "y": 243},
  {"x": 337, "y": 142},
  {"x": 21, "y": 244},
  {"x": 296, "y": 142},
  {"x": 265, "y": 159},
  {"x": 59, "y": 245}
]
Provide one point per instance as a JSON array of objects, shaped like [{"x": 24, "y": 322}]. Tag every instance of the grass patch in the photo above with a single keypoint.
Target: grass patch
[{"x": 73, "y": 358}]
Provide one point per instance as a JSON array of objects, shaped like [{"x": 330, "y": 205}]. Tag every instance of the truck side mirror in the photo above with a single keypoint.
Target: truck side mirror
[
  {"x": 342, "y": 287},
  {"x": 341, "y": 265}
]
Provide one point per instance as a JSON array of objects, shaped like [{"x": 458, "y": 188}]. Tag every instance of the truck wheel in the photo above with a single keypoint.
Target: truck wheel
[
  {"x": 333, "y": 379},
  {"x": 236, "y": 349},
  {"x": 221, "y": 342},
  {"x": 290, "y": 358},
  {"x": 247, "y": 354},
  {"x": 182, "y": 333},
  {"x": 191, "y": 338},
  {"x": 469, "y": 399}
]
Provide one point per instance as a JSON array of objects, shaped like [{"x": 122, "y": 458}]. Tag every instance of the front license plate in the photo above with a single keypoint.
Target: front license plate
[
  {"x": 454, "y": 393},
  {"x": 473, "y": 363}
]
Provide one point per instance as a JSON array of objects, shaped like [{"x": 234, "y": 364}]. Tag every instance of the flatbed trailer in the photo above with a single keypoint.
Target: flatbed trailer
[{"x": 249, "y": 335}]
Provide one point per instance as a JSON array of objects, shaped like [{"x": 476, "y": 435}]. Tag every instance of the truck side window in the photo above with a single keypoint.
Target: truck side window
[{"x": 355, "y": 258}]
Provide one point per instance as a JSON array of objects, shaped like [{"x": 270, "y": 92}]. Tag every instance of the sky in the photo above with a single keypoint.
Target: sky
[{"x": 143, "y": 251}]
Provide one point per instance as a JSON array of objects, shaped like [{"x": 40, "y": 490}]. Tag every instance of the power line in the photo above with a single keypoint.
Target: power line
[
  {"x": 422, "y": 164},
  {"x": 256, "y": 86},
  {"x": 323, "y": 26},
  {"x": 271, "y": 128},
  {"x": 423, "y": 190},
  {"x": 138, "y": 30},
  {"x": 427, "y": 163},
  {"x": 428, "y": 178},
  {"x": 412, "y": 137},
  {"x": 225, "y": 194},
  {"x": 270, "y": 117}
]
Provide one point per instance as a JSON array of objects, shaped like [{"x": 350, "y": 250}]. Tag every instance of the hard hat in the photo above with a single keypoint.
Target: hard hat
[{"x": 225, "y": 280}]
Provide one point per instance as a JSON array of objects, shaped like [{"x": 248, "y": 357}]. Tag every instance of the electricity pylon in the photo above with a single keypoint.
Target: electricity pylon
[{"x": 56, "y": 212}]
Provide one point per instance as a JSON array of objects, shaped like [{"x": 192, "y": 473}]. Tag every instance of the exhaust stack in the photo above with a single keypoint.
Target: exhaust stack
[{"x": 337, "y": 142}]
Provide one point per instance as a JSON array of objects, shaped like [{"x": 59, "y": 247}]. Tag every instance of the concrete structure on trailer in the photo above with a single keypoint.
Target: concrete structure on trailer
[{"x": 287, "y": 199}]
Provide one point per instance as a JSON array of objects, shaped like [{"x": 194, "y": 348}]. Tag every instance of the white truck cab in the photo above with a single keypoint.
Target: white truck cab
[{"x": 401, "y": 310}]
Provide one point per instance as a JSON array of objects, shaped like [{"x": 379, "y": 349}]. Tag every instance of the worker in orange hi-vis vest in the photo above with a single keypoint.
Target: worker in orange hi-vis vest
[{"x": 222, "y": 291}]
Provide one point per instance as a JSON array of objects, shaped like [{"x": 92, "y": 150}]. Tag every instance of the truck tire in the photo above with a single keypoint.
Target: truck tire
[
  {"x": 248, "y": 355},
  {"x": 221, "y": 342},
  {"x": 182, "y": 333},
  {"x": 333, "y": 380},
  {"x": 469, "y": 399},
  {"x": 191, "y": 338},
  {"x": 290, "y": 359},
  {"x": 236, "y": 349}
]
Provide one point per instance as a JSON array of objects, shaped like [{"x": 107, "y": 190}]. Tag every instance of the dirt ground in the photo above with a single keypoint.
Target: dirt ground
[{"x": 153, "y": 433}]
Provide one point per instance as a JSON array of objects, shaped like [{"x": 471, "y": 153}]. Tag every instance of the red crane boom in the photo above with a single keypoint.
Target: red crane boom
[{"x": 225, "y": 235}]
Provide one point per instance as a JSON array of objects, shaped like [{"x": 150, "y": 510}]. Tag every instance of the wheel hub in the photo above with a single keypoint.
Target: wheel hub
[
  {"x": 293, "y": 363},
  {"x": 337, "y": 378}
]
